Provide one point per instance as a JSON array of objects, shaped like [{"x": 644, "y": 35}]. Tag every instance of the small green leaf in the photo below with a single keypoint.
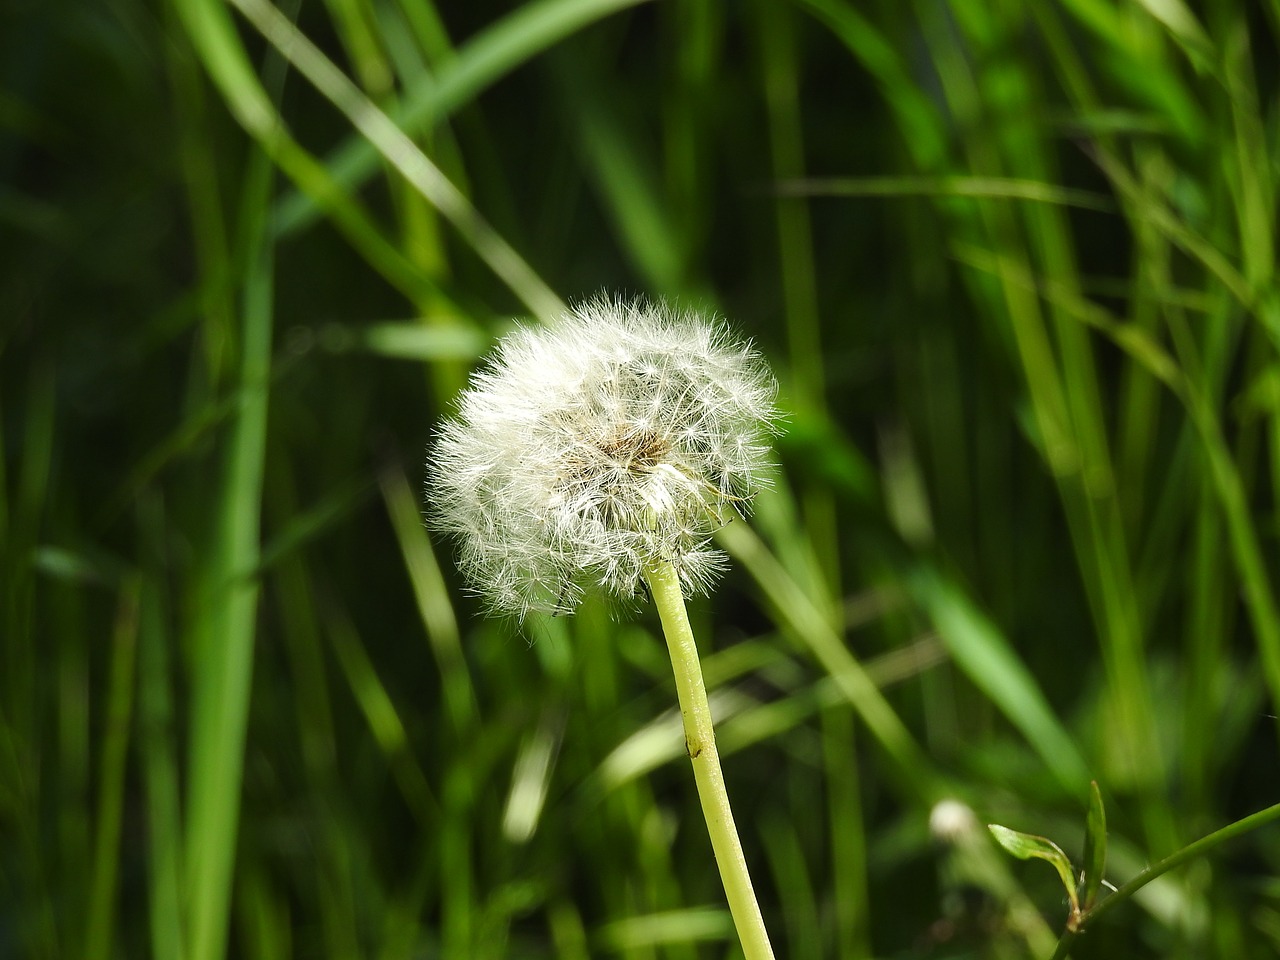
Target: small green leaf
[
  {"x": 1025, "y": 846},
  {"x": 1095, "y": 847}
]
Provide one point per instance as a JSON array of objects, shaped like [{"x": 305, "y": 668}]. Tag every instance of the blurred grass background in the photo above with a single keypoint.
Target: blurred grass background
[{"x": 1014, "y": 264}]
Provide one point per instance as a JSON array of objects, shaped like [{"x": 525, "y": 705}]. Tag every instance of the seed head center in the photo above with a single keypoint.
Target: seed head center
[{"x": 637, "y": 452}]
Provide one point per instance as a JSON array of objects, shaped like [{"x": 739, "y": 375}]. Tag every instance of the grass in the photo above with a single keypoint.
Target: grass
[{"x": 1014, "y": 265}]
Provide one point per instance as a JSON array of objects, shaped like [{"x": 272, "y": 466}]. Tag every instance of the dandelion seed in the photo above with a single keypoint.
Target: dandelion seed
[{"x": 623, "y": 435}]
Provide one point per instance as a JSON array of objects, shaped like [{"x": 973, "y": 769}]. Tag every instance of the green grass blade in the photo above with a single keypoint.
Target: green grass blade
[
  {"x": 994, "y": 188},
  {"x": 225, "y": 637},
  {"x": 212, "y": 33},
  {"x": 797, "y": 613},
  {"x": 383, "y": 718},
  {"x": 986, "y": 658},
  {"x": 402, "y": 153},
  {"x": 623, "y": 175},
  {"x": 434, "y": 605},
  {"x": 493, "y": 53},
  {"x": 103, "y": 887}
]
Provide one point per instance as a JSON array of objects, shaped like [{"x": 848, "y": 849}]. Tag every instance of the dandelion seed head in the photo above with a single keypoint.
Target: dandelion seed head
[{"x": 622, "y": 435}]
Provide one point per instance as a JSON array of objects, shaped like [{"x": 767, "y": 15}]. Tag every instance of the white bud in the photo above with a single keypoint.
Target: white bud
[
  {"x": 951, "y": 820},
  {"x": 622, "y": 435}
]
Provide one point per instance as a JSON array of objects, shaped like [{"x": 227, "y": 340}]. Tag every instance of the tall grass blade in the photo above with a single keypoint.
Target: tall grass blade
[{"x": 224, "y": 636}]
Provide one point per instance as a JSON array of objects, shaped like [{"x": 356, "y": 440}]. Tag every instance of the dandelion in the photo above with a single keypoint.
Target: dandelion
[
  {"x": 622, "y": 436},
  {"x": 604, "y": 451}
]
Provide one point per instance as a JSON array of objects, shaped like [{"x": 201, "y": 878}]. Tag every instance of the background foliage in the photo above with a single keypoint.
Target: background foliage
[{"x": 1014, "y": 262}]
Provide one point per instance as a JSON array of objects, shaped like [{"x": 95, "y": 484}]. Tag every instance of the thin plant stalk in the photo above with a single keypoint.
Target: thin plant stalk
[
  {"x": 1176, "y": 859},
  {"x": 700, "y": 742}
]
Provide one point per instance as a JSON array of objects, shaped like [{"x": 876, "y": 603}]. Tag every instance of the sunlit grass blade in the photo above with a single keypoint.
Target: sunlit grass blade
[
  {"x": 531, "y": 778},
  {"x": 1181, "y": 23},
  {"x": 1156, "y": 211},
  {"x": 664, "y": 929},
  {"x": 408, "y": 341},
  {"x": 994, "y": 188},
  {"x": 432, "y": 595},
  {"x": 797, "y": 614},
  {"x": 742, "y": 722},
  {"x": 383, "y": 717},
  {"x": 213, "y": 35},
  {"x": 493, "y": 53},
  {"x": 403, "y": 154}
]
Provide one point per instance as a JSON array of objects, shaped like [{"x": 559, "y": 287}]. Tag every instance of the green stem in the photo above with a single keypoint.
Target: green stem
[
  {"x": 1063, "y": 949},
  {"x": 700, "y": 743},
  {"x": 1189, "y": 852}
]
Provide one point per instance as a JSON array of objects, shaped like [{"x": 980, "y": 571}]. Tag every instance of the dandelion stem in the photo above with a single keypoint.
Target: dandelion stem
[{"x": 700, "y": 742}]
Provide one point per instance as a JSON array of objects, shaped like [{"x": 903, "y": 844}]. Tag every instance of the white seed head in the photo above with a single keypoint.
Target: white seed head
[{"x": 622, "y": 435}]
